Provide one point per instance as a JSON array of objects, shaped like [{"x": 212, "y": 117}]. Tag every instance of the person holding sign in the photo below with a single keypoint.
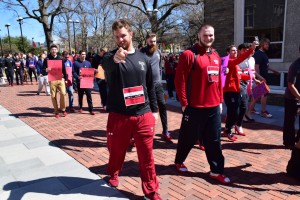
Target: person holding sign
[
  {"x": 132, "y": 108},
  {"x": 69, "y": 83},
  {"x": 54, "y": 68},
  {"x": 84, "y": 75}
]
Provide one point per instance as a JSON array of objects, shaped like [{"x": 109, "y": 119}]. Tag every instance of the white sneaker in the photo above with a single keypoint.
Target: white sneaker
[{"x": 266, "y": 114}]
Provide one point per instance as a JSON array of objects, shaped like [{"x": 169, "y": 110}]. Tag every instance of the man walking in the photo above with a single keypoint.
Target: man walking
[
  {"x": 154, "y": 56},
  {"x": 199, "y": 89},
  {"x": 131, "y": 101},
  {"x": 57, "y": 85}
]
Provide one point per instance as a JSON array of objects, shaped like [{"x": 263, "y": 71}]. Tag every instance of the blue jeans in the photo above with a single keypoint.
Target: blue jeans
[{"x": 70, "y": 95}]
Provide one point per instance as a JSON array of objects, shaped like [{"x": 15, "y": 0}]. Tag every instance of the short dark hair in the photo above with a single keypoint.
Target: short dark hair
[
  {"x": 150, "y": 35},
  {"x": 263, "y": 40},
  {"x": 243, "y": 46},
  {"x": 64, "y": 53},
  {"x": 53, "y": 46},
  {"x": 229, "y": 47},
  {"x": 81, "y": 51},
  {"x": 121, "y": 23}
]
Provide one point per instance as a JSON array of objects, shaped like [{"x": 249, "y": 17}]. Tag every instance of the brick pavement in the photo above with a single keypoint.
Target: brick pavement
[{"x": 255, "y": 163}]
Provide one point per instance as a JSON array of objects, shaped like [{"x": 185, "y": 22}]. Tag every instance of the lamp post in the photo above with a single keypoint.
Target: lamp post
[
  {"x": 7, "y": 26},
  {"x": 76, "y": 21},
  {"x": 20, "y": 20},
  {"x": 1, "y": 46}
]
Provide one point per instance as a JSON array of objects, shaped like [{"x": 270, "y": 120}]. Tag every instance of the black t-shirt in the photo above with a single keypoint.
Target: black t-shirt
[
  {"x": 262, "y": 60},
  {"x": 294, "y": 78},
  {"x": 121, "y": 78}
]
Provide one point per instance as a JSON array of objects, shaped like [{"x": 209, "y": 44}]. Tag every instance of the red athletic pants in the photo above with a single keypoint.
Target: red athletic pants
[{"x": 120, "y": 128}]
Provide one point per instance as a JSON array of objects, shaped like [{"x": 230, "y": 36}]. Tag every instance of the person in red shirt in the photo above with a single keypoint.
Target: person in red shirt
[
  {"x": 232, "y": 90},
  {"x": 200, "y": 93}
]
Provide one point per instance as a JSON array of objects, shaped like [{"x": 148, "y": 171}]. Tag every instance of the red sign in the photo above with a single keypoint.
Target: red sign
[
  {"x": 70, "y": 76},
  {"x": 87, "y": 80},
  {"x": 54, "y": 70}
]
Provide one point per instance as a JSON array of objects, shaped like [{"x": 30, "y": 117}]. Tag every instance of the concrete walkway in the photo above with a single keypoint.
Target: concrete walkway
[{"x": 31, "y": 168}]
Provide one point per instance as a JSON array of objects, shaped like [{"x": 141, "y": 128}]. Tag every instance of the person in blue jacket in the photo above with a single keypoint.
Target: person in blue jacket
[{"x": 31, "y": 66}]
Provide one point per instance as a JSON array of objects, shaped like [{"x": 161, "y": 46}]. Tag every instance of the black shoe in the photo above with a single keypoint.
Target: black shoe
[
  {"x": 37, "y": 93},
  {"x": 249, "y": 119}
]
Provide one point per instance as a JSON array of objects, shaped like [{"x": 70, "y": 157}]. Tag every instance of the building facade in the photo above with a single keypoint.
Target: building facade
[{"x": 239, "y": 21}]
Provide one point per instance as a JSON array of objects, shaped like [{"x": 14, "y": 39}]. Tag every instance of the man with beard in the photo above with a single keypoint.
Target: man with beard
[
  {"x": 199, "y": 89},
  {"x": 261, "y": 68},
  {"x": 19, "y": 65},
  {"x": 132, "y": 108},
  {"x": 155, "y": 59}
]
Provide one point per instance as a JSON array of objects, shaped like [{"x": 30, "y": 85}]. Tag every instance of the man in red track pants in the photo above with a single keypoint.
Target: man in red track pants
[{"x": 132, "y": 108}]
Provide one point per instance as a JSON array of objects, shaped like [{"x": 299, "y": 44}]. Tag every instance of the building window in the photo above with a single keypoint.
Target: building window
[
  {"x": 249, "y": 17},
  {"x": 265, "y": 19}
]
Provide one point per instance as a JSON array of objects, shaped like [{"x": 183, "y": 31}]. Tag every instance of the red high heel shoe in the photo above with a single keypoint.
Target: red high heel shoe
[
  {"x": 229, "y": 136},
  {"x": 237, "y": 131}
]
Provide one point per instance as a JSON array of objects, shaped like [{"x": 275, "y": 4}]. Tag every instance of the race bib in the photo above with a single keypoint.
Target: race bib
[
  {"x": 213, "y": 73},
  {"x": 134, "y": 95},
  {"x": 17, "y": 64}
]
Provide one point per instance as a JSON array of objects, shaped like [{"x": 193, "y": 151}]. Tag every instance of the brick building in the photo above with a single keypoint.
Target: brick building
[{"x": 238, "y": 21}]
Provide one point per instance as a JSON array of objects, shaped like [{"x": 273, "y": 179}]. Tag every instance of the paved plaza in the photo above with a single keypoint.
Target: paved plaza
[{"x": 42, "y": 157}]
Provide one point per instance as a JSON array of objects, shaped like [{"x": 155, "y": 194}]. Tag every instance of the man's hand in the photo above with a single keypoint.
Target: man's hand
[
  {"x": 155, "y": 115},
  {"x": 80, "y": 77},
  {"x": 183, "y": 108},
  {"x": 120, "y": 55},
  {"x": 48, "y": 69}
]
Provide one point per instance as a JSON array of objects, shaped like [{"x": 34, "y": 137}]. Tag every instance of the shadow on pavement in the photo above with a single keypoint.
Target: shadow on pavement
[{"x": 52, "y": 186}]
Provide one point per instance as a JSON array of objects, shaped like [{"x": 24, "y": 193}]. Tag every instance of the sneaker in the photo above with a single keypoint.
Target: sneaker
[
  {"x": 81, "y": 111},
  {"x": 65, "y": 113},
  {"x": 266, "y": 114},
  {"x": 181, "y": 168},
  {"x": 72, "y": 110},
  {"x": 37, "y": 93},
  {"x": 152, "y": 196},
  {"x": 254, "y": 111},
  {"x": 57, "y": 115},
  {"x": 92, "y": 113},
  {"x": 220, "y": 177},
  {"x": 166, "y": 136},
  {"x": 113, "y": 181}
]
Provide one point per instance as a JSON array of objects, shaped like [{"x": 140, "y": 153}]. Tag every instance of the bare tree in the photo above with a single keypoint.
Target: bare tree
[
  {"x": 44, "y": 13},
  {"x": 159, "y": 12}
]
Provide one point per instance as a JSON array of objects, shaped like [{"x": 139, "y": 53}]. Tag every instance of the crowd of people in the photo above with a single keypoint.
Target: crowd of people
[{"x": 131, "y": 91}]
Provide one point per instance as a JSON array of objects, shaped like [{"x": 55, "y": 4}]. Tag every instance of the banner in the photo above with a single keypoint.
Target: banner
[
  {"x": 87, "y": 80},
  {"x": 55, "y": 72},
  {"x": 70, "y": 76},
  {"x": 224, "y": 64}
]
